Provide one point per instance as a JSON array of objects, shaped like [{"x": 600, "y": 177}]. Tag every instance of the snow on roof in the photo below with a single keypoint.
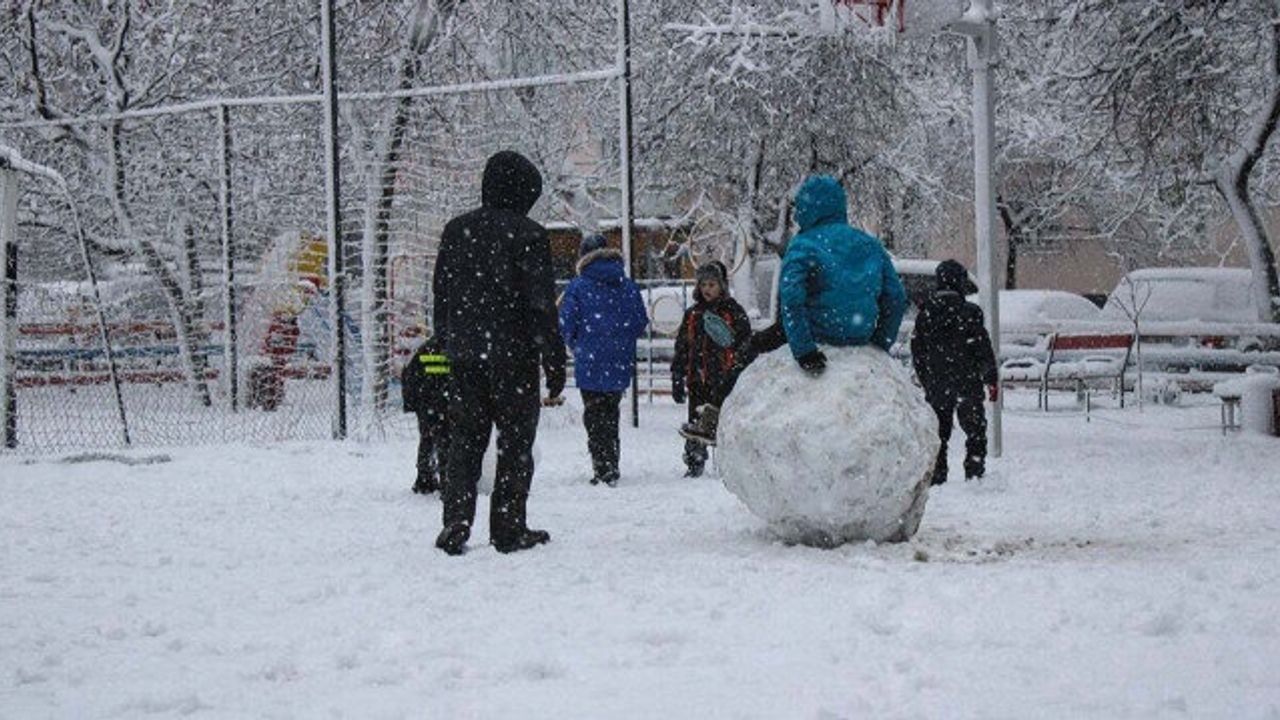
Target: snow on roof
[
  {"x": 915, "y": 266},
  {"x": 1214, "y": 274},
  {"x": 648, "y": 223}
]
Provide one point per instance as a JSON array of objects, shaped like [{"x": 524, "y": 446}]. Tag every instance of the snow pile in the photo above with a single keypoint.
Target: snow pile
[{"x": 825, "y": 461}]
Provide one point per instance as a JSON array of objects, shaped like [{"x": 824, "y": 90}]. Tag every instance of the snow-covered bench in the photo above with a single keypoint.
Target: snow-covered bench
[{"x": 1077, "y": 371}]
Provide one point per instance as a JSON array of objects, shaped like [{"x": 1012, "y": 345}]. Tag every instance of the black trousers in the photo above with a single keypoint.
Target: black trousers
[
  {"x": 600, "y": 416},
  {"x": 484, "y": 396},
  {"x": 973, "y": 421},
  {"x": 433, "y": 444}
]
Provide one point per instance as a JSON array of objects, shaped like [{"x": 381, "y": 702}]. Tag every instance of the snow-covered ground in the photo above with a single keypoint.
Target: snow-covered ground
[{"x": 1125, "y": 567}]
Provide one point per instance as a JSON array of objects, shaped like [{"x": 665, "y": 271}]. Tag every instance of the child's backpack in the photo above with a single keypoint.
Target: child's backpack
[{"x": 424, "y": 379}]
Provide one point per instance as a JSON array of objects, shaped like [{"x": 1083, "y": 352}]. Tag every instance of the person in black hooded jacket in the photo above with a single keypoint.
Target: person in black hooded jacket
[
  {"x": 495, "y": 312},
  {"x": 953, "y": 359}
]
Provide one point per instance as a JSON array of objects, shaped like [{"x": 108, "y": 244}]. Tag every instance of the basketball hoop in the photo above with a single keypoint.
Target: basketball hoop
[
  {"x": 877, "y": 13},
  {"x": 910, "y": 18}
]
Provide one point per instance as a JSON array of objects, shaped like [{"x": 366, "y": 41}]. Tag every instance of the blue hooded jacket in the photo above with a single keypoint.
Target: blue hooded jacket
[
  {"x": 838, "y": 284},
  {"x": 601, "y": 317}
]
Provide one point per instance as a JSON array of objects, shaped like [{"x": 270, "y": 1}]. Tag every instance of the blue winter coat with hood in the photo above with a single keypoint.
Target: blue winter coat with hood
[
  {"x": 838, "y": 284},
  {"x": 601, "y": 317}
]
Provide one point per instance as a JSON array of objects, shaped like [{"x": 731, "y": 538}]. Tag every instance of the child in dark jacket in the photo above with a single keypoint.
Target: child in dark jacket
[
  {"x": 952, "y": 355},
  {"x": 424, "y": 386},
  {"x": 712, "y": 335}
]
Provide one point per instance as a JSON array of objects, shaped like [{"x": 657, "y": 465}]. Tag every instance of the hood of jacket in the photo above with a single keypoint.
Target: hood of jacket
[
  {"x": 603, "y": 266},
  {"x": 820, "y": 201},
  {"x": 952, "y": 276},
  {"x": 510, "y": 182}
]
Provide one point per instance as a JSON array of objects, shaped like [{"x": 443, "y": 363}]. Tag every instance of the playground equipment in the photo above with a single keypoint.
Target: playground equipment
[{"x": 292, "y": 275}]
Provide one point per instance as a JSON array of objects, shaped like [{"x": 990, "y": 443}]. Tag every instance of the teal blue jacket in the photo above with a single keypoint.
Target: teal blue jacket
[{"x": 838, "y": 284}]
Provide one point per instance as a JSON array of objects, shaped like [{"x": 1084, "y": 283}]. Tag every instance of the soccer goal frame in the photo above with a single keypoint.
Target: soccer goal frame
[{"x": 13, "y": 168}]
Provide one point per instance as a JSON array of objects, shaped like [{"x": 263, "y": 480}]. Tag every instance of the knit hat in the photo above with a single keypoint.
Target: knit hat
[
  {"x": 714, "y": 270},
  {"x": 952, "y": 276},
  {"x": 591, "y": 243}
]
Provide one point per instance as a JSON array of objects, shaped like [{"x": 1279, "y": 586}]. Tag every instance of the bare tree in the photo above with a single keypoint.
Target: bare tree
[{"x": 1186, "y": 97}]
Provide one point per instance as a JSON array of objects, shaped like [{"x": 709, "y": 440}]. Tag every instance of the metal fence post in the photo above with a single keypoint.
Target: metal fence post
[
  {"x": 8, "y": 305},
  {"x": 229, "y": 331},
  {"x": 333, "y": 185}
]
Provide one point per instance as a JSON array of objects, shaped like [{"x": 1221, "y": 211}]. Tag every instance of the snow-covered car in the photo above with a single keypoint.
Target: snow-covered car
[
  {"x": 1026, "y": 315},
  {"x": 1212, "y": 295},
  {"x": 1173, "y": 303}
]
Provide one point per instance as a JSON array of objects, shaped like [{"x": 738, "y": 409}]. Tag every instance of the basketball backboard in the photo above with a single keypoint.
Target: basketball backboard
[{"x": 910, "y": 18}]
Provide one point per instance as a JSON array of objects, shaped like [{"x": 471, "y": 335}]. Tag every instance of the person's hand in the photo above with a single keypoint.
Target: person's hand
[
  {"x": 553, "y": 401},
  {"x": 677, "y": 390},
  {"x": 555, "y": 382},
  {"x": 993, "y": 393},
  {"x": 814, "y": 363}
]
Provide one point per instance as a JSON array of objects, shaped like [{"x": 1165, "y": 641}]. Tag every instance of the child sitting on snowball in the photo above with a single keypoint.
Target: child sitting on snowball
[{"x": 838, "y": 284}]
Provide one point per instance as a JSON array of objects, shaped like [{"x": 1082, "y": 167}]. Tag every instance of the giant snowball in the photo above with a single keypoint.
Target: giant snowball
[{"x": 842, "y": 457}]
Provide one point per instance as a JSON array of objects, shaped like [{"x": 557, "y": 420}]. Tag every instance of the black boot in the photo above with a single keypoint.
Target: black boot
[
  {"x": 601, "y": 473},
  {"x": 453, "y": 538},
  {"x": 974, "y": 468},
  {"x": 520, "y": 540},
  {"x": 695, "y": 470},
  {"x": 703, "y": 429},
  {"x": 939, "y": 472},
  {"x": 425, "y": 485}
]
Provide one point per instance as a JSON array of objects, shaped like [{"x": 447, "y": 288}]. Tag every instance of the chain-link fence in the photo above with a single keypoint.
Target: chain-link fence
[{"x": 205, "y": 229}]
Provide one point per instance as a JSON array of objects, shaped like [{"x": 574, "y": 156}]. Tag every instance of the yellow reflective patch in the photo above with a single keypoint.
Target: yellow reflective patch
[{"x": 434, "y": 364}]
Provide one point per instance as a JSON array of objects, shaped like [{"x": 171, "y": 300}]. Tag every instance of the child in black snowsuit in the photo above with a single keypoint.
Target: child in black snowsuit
[
  {"x": 712, "y": 335},
  {"x": 424, "y": 385},
  {"x": 953, "y": 359}
]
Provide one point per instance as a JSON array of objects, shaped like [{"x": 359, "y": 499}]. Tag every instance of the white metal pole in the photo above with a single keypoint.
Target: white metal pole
[
  {"x": 8, "y": 305},
  {"x": 337, "y": 280},
  {"x": 982, "y": 55}
]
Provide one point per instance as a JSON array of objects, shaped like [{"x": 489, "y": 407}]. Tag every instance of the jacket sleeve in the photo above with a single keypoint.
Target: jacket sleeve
[
  {"x": 981, "y": 354},
  {"x": 797, "y": 266},
  {"x": 638, "y": 313},
  {"x": 920, "y": 346},
  {"x": 892, "y": 305},
  {"x": 570, "y": 315},
  {"x": 537, "y": 287},
  {"x": 680, "y": 360},
  {"x": 741, "y": 329}
]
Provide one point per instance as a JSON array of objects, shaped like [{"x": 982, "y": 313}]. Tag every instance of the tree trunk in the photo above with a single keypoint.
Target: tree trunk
[
  {"x": 1232, "y": 181},
  {"x": 195, "y": 293},
  {"x": 378, "y": 343},
  {"x": 175, "y": 297},
  {"x": 1013, "y": 238}
]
